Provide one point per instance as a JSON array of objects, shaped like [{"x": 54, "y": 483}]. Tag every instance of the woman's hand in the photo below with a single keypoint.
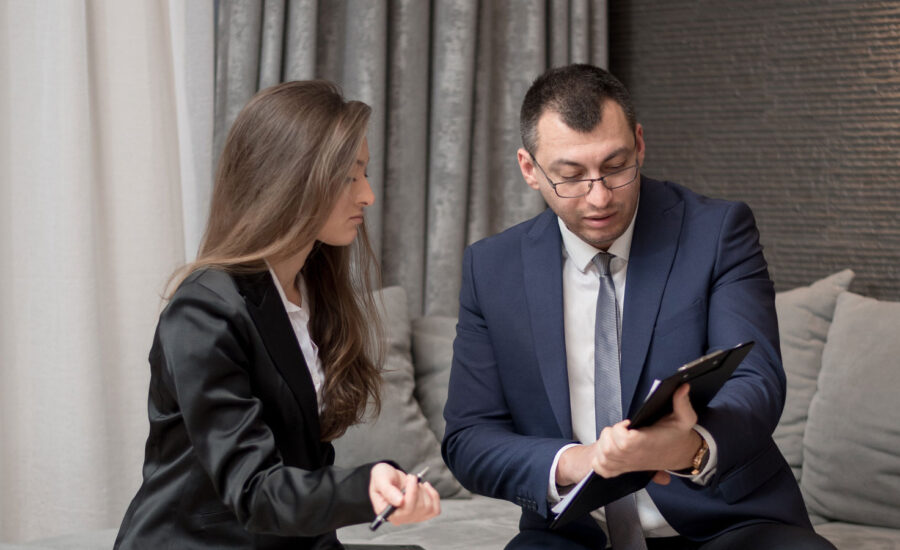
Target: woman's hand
[{"x": 414, "y": 502}]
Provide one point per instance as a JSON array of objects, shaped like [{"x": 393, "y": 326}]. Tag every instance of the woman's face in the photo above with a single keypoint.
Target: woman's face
[{"x": 342, "y": 225}]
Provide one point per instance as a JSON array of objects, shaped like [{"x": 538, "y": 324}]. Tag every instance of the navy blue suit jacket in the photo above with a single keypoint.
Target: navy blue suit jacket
[{"x": 697, "y": 281}]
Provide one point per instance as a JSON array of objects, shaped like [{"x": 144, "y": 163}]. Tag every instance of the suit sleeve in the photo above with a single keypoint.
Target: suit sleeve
[
  {"x": 742, "y": 417},
  {"x": 481, "y": 445},
  {"x": 206, "y": 369}
]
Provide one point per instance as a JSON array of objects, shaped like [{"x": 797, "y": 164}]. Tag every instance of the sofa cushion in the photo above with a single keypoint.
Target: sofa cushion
[
  {"x": 849, "y": 536},
  {"x": 480, "y": 523},
  {"x": 804, "y": 316},
  {"x": 432, "y": 349},
  {"x": 400, "y": 432},
  {"x": 851, "y": 470}
]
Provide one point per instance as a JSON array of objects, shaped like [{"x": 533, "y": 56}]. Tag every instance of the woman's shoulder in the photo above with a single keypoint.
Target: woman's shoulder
[
  {"x": 208, "y": 281},
  {"x": 222, "y": 288}
]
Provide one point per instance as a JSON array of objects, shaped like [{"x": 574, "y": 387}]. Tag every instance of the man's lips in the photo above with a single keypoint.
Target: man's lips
[{"x": 599, "y": 220}]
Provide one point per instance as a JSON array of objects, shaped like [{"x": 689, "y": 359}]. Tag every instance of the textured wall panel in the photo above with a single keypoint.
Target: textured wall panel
[{"x": 792, "y": 106}]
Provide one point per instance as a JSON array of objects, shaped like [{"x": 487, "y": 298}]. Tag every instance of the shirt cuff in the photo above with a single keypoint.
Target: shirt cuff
[
  {"x": 553, "y": 495},
  {"x": 710, "y": 469}
]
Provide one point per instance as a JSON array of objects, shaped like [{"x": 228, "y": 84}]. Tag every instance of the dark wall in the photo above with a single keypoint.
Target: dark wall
[{"x": 792, "y": 106}]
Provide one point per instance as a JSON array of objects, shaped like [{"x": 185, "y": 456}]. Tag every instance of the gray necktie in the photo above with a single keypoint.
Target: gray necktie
[{"x": 622, "y": 519}]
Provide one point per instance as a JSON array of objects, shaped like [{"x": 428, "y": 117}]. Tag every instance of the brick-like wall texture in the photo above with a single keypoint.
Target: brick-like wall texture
[{"x": 792, "y": 106}]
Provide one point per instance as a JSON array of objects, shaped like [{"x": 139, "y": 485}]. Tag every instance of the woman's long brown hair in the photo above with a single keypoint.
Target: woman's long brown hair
[{"x": 287, "y": 156}]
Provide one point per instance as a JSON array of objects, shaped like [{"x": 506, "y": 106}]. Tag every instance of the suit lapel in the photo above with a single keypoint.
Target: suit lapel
[
  {"x": 268, "y": 314},
  {"x": 653, "y": 246},
  {"x": 542, "y": 271}
]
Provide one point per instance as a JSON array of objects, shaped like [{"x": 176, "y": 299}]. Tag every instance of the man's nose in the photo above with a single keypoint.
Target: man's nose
[{"x": 599, "y": 195}]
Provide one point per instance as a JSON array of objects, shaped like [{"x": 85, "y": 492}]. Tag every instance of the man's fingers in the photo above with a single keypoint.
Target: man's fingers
[
  {"x": 662, "y": 477},
  {"x": 681, "y": 403}
]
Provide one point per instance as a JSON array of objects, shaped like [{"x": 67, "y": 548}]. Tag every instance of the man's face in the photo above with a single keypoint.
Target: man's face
[{"x": 602, "y": 215}]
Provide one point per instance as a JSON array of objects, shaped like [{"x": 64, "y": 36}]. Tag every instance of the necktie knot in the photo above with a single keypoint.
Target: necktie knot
[{"x": 601, "y": 260}]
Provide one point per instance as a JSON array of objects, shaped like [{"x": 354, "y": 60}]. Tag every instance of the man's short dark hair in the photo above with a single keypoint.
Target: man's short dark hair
[{"x": 577, "y": 93}]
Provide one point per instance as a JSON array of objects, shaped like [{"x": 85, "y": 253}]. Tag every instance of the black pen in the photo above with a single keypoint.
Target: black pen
[{"x": 386, "y": 513}]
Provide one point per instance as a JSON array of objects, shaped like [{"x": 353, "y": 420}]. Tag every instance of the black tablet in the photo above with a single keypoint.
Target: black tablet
[{"x": 705, "y": 375}]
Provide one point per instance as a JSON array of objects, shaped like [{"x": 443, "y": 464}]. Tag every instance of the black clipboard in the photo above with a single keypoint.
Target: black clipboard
[{"x": 706, "y": 375}]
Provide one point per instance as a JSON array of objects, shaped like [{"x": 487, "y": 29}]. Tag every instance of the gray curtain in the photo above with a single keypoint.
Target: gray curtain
[{"x": 445, "y": 79}]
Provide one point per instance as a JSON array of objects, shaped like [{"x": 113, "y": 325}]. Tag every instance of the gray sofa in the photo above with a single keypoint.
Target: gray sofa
[{"x": 840, "y": 430}]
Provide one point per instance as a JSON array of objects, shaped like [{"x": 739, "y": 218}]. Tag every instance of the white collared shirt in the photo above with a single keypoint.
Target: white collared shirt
[
  {"x": 300, "y": 323},
  {"x": 581, "y": 283}
]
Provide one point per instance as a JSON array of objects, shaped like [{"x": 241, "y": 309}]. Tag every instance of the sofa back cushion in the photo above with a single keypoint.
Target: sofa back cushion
[
  {"x": 851, "y": 448},
  {"x": 804, "y": 317},
  {"x": 401, "y": 431},
  {"x": 432, "y": 349}
]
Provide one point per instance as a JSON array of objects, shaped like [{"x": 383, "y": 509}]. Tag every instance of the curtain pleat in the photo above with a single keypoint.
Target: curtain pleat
[
  {"x": 300, "y": 46},
  {"x": 274, "y": 19},
  {"x": 364, "y": 77},
  {"x": 238, "y": 37},
  {"x": 404, "y": 201},
  {"x": 479, "y": 207},
  {"x": 519, "y": 55},
  {"x": 450, "y": 130},
  {"x": 445, "y": 79}
]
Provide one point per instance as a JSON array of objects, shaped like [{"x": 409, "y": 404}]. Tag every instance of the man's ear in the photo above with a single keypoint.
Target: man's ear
[
  {"x": 639, "y": 145},
  {"x": 529, "y": 170}
]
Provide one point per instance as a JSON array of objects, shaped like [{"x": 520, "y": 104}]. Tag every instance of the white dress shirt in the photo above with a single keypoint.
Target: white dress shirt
[
  {"x": 581, "y": 283},
  {"x": 300, "y": 323}
]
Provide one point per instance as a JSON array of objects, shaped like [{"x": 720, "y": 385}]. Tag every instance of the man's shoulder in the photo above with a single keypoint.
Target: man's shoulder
[
  {"x": 512, "y": 236},
  {"x": 663, "y": 195}
]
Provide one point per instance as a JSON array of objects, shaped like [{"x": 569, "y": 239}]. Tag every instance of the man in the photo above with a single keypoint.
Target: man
[{"x": 567, "y": 319}]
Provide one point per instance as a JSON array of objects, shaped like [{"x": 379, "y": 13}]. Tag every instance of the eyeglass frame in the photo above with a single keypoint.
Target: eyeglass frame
[{"x": 601, "y": 179}]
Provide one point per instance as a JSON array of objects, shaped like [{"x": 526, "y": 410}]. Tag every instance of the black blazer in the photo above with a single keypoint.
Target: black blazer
[{"x": 234, "y": 457}]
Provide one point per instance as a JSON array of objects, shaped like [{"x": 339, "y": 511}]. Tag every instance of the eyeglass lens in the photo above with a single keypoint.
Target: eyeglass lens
[{"x": 582, "y": 187}]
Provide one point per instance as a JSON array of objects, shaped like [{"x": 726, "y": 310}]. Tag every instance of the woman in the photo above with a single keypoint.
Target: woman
[{"x": 263, "y": 354}]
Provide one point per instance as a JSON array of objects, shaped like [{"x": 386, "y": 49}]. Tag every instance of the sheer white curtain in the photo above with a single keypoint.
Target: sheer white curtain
[{"x": 91, "y": 224}]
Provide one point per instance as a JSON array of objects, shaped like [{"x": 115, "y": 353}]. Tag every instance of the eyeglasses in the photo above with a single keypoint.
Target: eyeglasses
[{"x": 572, "y": 189}]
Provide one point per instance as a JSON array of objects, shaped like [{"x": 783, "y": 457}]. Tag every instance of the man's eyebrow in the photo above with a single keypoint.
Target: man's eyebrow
[{"x": 560, "y": 163}]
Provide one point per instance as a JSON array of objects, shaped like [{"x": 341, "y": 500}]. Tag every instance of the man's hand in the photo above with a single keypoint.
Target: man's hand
[
  {"x": 669, "y": 444},
  {"x": 414, "y": 502}
]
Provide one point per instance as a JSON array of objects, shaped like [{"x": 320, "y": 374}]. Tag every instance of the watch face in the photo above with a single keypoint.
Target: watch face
[{"x": 700, "y": 457}]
